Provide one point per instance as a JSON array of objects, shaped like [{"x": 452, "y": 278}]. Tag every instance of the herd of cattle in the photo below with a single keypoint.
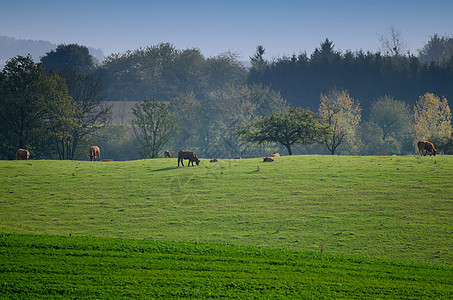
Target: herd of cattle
[{"x": 424, "y": 147}]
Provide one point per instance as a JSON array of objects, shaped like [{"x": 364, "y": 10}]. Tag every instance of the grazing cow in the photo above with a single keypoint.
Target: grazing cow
[
  {"x": 191, "y": 156},
  {"x": 424, "y": 147},
  {"x": 95, "y": 153},
  {"x": 214, "y": 160},
  {"x": 238, "y": 157},
  {"x": 22, "y": 154},
  {"x": 107, "y": 160},
  {"x": 275, "y": 154},
  {"x": 167, "y": 154},
  {"x": 268, "y": 159}
]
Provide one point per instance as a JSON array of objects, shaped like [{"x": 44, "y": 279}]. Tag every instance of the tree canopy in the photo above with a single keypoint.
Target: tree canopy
[{"x": 287, "y": 128}]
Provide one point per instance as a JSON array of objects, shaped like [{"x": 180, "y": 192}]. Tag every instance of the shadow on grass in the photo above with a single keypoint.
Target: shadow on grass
[{"x": 165, "y": 169}]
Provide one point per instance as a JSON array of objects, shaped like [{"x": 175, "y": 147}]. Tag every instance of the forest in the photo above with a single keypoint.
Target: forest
[{"x": 374, "y": 103}]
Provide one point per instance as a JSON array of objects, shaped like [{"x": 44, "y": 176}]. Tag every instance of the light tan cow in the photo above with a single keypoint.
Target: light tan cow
[
  {"x": 275, "y": 154},
  {"x": 95, "y": 153},
  {"x": 22, "y": 154}
]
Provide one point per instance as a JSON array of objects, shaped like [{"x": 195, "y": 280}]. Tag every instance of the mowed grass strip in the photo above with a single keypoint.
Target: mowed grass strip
[
  {"x": 79, "y": 267},
  {"x": 385, "y": 207}
]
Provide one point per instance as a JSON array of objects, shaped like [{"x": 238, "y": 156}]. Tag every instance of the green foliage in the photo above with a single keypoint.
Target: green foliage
[
  {"x": 79, "y": 267},
  {"x": 438, "y": 50},
  {"x": 69, "y": 57},
  {"x": 153, "y": 126},
  {"x": 296, "y": 126},
  {"x": 35, "y": 108},
  {"x": 164, "y": 72}
]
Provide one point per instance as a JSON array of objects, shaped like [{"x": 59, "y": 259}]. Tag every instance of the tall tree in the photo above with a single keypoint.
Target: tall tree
[
  {"x": 35, "y": 108},
  {"x": 392, "y": 42},
  {"x": 342, "y": 114},
  {"x": 432, "y": 118},
  {"x": 392, "y": 116},
  {"x": 438, "y": 50},
  {"x": 287, "y": 128},
  {"x": 153, "y": 126},
  {"x": 75, "y": 64},
  {"x": 69, "y": 57}
]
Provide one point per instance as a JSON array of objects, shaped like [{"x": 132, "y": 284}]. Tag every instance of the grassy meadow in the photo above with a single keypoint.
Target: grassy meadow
[{"x": 371, "y": 208}]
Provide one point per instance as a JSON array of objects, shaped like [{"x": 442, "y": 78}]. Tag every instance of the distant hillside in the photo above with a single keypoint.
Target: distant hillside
[{"x": 11, "y": 47}]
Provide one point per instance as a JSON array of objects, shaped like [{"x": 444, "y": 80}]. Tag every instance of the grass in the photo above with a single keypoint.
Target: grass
[
  {"x": 300, "y": 227},
  {"x": 79, "y": 267},
  {"x": 385, "y": 207}
]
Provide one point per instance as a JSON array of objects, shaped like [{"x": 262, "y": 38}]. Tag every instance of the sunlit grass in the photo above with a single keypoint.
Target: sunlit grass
[{"x": 386, "y": 207}]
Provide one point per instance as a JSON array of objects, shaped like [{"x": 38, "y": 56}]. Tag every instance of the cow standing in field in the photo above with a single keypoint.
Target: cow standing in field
[
  {"x": 22, "y": 154},
  {"x": 424, "y": 147},
  {"x": 95, "y": 153},
  {"x": 191, "y": 156},
  {"x": 167, "y": 154}
]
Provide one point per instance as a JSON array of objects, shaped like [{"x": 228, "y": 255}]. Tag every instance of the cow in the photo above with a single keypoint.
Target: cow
[
  {"x": 275, "y": 154},
  {"x": 214, "y": 160},
  {"x": 238, "y": 157},
  {"x": 22, "y": 154},
  {"x": 191, "y": 156},
  {"x": 428, "y": 146},
  {"x": 95, "y": 153},
  {"x": 268, "y": 159},
  {"x": 167, "y": 154}
]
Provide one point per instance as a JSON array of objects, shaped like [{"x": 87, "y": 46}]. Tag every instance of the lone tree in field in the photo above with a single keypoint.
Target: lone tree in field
[
  {"x": 295, "y": 126},
  {"x": 432, "y": 118},
  {"x": 342, "y": 114},
  {"x": 153, "y": 126}
]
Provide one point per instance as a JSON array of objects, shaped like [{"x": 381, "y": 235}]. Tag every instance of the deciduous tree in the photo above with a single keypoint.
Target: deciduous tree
[
  {"x": 342, "y": 114},
  {"x": 287, "y": 128},
  {"x": 432, "y": 118},
  {"x": 153, "y": 126},
  {"x": 35, "y": 108}
]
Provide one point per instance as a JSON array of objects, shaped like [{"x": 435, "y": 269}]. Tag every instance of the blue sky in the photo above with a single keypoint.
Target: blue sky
[{"x": 283, "y": 27}]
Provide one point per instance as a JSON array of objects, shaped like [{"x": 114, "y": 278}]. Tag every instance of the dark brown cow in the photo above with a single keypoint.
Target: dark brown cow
[
  {"x": 214, "y": 160},
  {"x": 268, "y": 159},
  {"x": 424, "y": 147},
  {"x": 167, "y": 154},
  {"x": 191, "y": 156},
  {"x": 95, "y": 153},
  {"x": 275, "y": 154},
  {"x": 22, "y": 154}
]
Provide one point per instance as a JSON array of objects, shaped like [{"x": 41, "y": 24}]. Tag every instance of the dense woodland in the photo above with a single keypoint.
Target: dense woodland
[{"x": 369, "y": 99}]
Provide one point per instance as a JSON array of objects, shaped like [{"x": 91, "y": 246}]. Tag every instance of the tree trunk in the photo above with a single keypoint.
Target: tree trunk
[{"x": 288, "y": 147}]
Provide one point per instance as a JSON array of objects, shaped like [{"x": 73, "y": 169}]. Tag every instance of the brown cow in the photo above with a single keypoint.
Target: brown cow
[
  {"x": 214, "y": 160},
  {"x": 191, "y": 156},
  {"x": 22, "y": 154},
  {"x": 238, "y": 157},
  {"x": 95, "y": 153},
  {"x": 275, "y": 154},
  {"x": 428, "y": 146},
  {"x": 268, "y": 159},
  {"x": 167, "y": 154}
]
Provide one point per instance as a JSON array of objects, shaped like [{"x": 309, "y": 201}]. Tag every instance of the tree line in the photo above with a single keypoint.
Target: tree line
[{"x": 330, "y": 102}]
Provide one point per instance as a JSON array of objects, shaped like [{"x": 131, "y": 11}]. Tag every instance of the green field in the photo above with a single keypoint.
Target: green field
[{"x": 371, "y": 209}]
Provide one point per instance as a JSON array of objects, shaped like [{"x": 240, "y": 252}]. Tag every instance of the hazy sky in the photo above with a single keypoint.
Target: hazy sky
[{"x": 283, "y": 27}]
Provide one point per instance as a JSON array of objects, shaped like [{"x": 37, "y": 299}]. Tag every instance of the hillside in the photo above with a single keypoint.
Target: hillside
[{"x": 385, "y": 207}]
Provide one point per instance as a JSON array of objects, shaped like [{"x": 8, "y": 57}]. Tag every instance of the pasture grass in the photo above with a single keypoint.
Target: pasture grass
[
  {"x": 382, "y": 206},
  {"x": 42, "y": 266}
]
